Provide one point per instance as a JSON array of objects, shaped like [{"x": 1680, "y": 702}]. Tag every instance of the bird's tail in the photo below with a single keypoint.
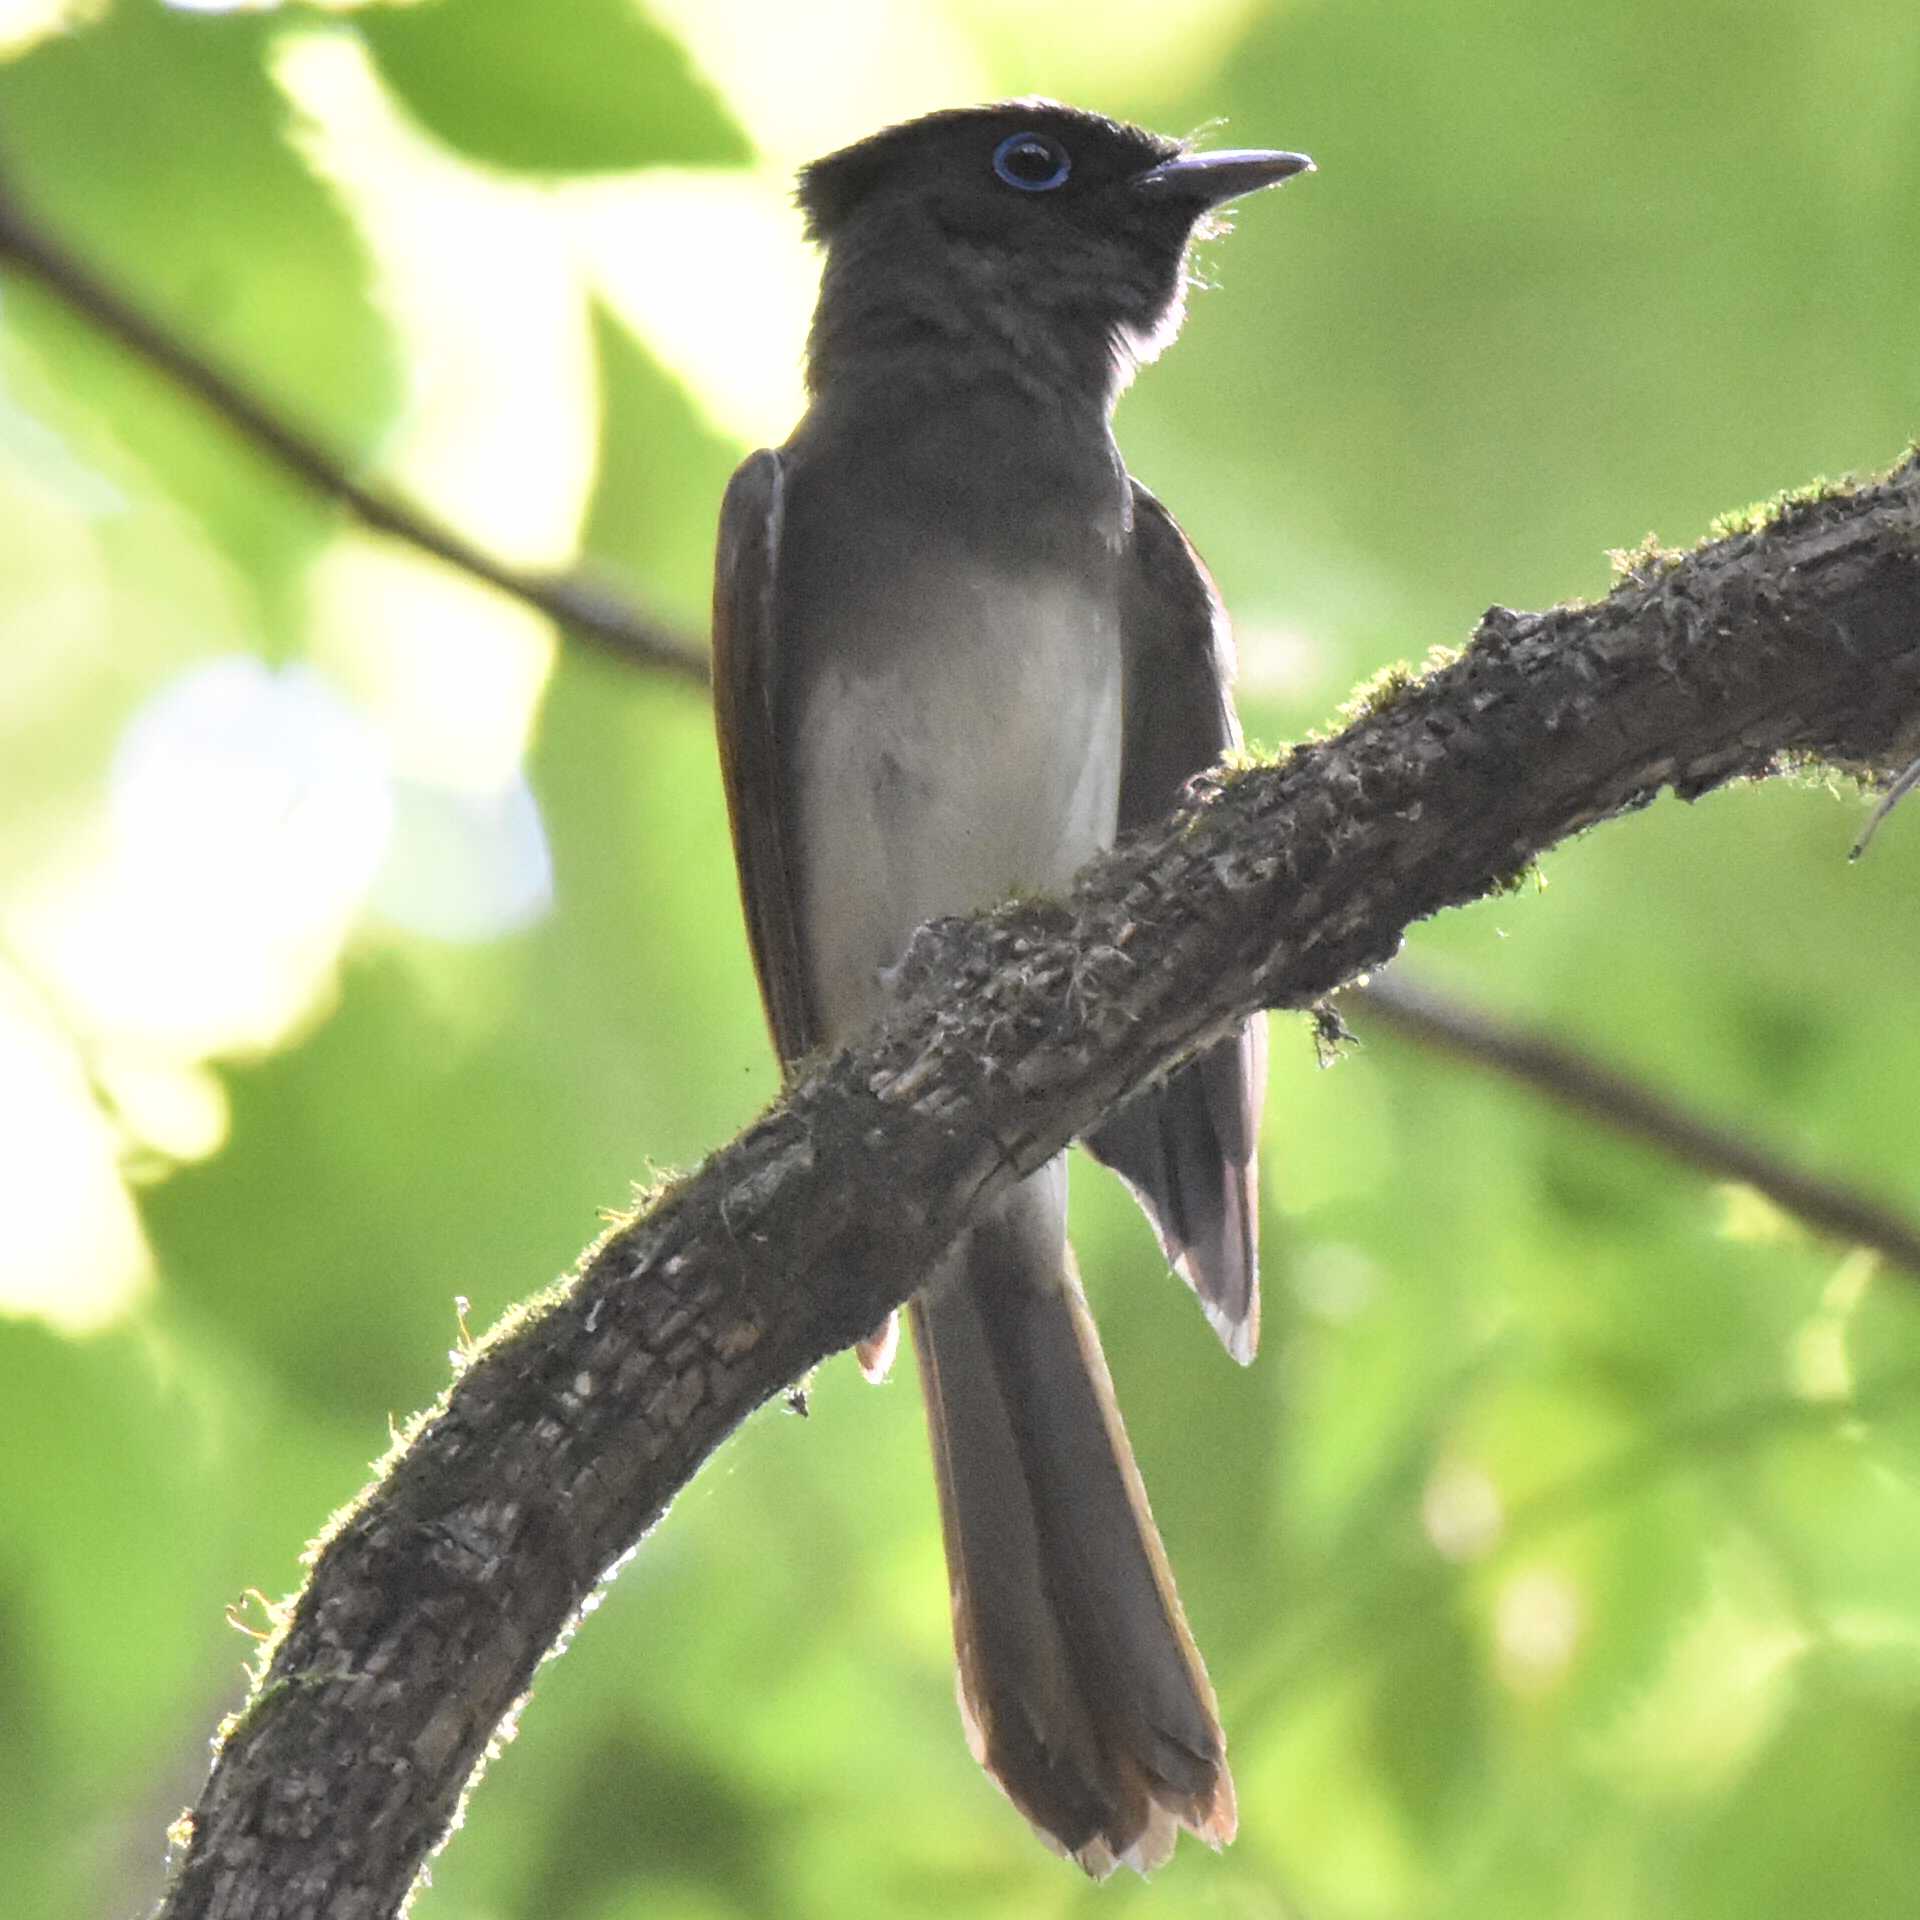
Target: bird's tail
[{"x": 1082, "y": 1692}]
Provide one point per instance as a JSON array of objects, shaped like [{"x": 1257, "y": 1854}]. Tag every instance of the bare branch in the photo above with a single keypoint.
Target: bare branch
[
  {"x": 433, "y": 1602},
  {"x": 590, "y": 612},
  {"x": 1590, "y": 1087}
]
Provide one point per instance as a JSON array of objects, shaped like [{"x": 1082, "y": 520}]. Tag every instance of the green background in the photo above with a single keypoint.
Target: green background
[{"x": 1561, "y": 1555}]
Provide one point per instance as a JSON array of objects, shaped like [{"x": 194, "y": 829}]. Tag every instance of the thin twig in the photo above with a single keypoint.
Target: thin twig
[
  {"x": 1630, "y": 1107},
  {"x": 590, "y": 612},
  {"x": 1888, "y": 801}
]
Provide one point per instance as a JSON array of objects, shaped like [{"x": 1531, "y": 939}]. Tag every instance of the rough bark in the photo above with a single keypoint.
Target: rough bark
[{"x": 431, "y": 1604}]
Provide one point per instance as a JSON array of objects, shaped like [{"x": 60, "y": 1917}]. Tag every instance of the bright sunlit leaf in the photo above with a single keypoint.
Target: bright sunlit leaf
[{"x": 71, "y": 1250}]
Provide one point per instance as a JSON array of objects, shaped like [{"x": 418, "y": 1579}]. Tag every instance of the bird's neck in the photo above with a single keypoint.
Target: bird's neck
[{"x": 918, "y": 326}]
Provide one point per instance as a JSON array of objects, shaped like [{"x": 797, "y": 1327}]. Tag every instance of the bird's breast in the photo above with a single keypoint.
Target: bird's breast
[{"x": 962, "y": 745}]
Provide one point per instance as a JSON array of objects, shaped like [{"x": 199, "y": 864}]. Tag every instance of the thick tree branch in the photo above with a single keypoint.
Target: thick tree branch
[
  {"x": 585, "y": 609},
  {"x": 431, "y": 1605},
  {"x": 1588, "y": 1086}
]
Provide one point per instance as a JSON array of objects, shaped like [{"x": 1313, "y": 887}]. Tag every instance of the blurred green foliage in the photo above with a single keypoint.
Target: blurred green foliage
[
  {"x": 578, "y": 86},
  {"x": 1562, "y": 1553}
]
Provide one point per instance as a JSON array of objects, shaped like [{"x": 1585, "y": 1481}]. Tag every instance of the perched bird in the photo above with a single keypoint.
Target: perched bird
[{"x": 957, "y": 650}]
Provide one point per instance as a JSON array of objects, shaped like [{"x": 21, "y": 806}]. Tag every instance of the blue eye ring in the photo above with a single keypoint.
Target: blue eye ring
[{"x": 1032, "y": 162}]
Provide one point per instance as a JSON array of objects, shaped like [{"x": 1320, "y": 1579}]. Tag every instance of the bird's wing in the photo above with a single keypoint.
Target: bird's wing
[
  {"x": 1187, "y": 1148},
  {"x": 745, "y": 648}
]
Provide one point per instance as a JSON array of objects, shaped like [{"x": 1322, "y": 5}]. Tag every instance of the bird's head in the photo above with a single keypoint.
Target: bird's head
[{"x": 1027, "y": 229}]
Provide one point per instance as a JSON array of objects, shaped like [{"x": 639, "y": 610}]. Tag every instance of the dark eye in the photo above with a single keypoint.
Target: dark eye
[{"x": 1033, "y": 162}]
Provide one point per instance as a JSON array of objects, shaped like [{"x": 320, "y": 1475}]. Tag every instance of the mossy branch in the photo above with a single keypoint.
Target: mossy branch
[{"x": 432, "y": 1603}]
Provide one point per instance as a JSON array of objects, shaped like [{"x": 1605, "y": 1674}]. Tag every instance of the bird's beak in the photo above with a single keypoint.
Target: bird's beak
[{"x": 1211, "y": 179}]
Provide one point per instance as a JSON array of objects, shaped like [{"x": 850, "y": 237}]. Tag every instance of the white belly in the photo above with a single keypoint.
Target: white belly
[{"x": 982, "y": 759}]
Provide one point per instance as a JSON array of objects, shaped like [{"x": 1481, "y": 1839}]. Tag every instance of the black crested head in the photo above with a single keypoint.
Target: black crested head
[
  {"x": 1025, "y": 240},
  {"x": 949, "y": 157}
]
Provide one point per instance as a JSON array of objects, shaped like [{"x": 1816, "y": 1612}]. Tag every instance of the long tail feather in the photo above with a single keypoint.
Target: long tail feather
[{"x": 1081, "y": 1687}]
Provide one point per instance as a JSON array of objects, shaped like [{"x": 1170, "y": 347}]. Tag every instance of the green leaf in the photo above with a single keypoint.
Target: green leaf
[{"x": 572, "y": 86}]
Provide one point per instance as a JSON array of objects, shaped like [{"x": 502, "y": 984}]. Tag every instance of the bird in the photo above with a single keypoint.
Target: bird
[{"x": 958, "y": 649}]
